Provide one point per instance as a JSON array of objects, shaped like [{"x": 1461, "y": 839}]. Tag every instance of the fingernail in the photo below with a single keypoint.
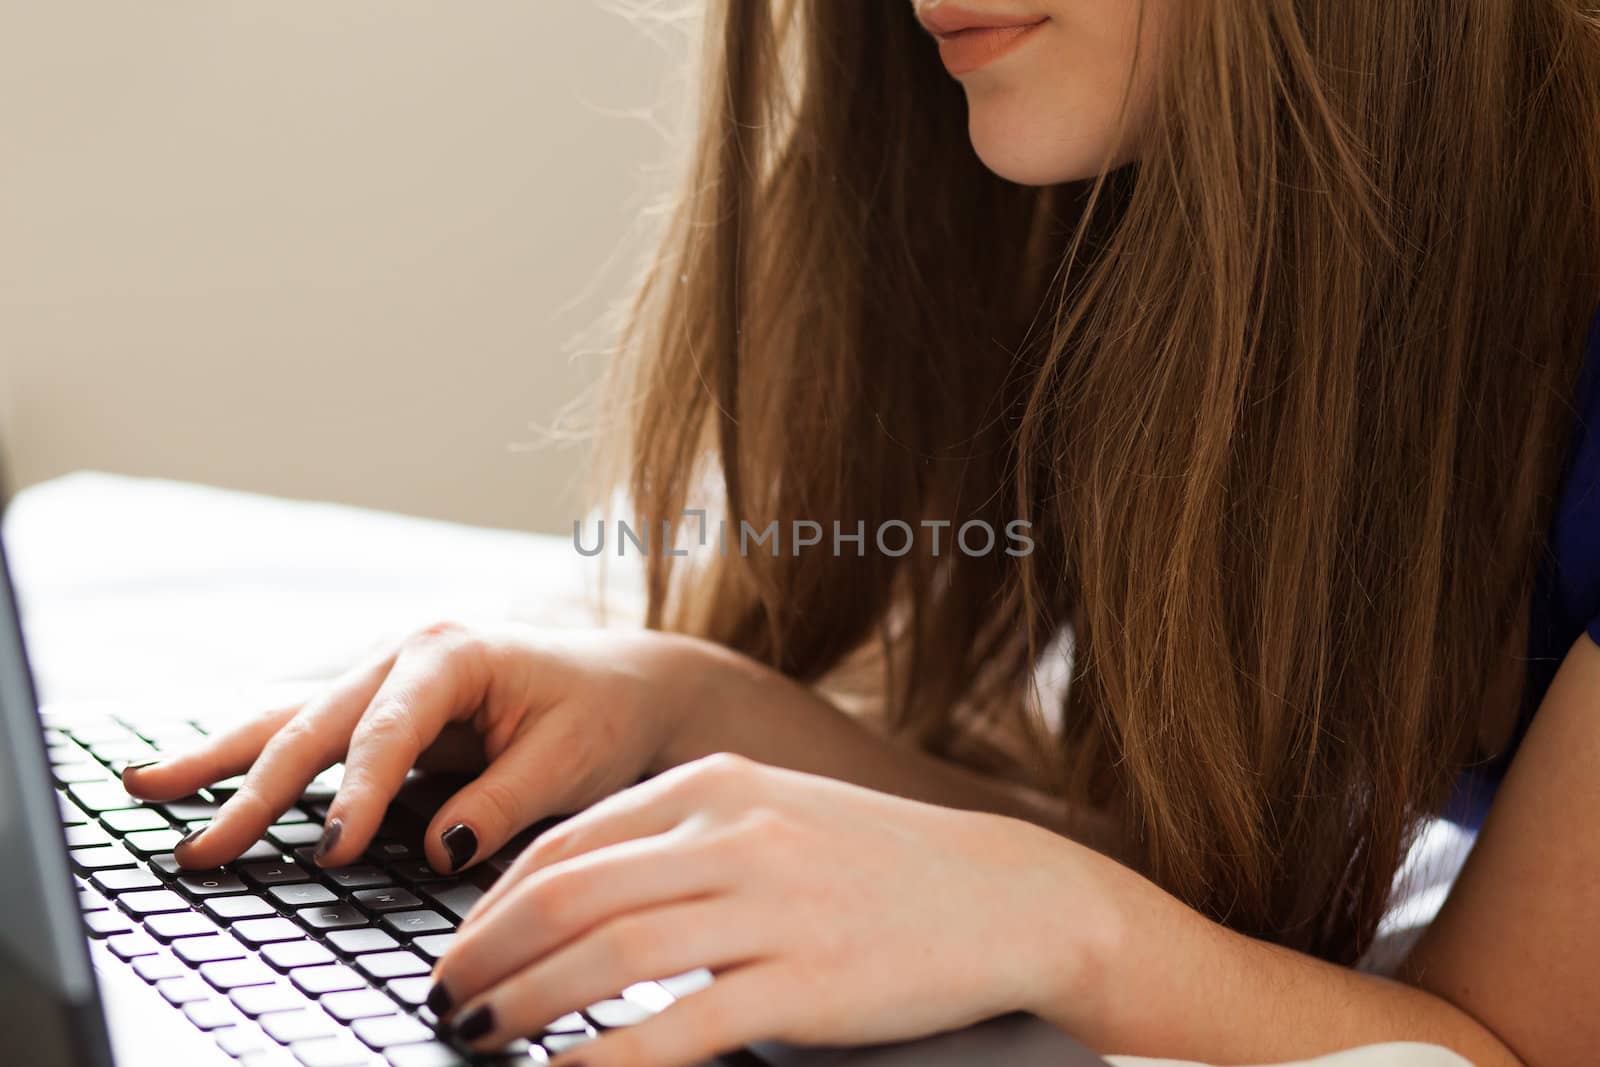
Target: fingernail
[
  {"x": 477, "y": 1023},
  {"x": 439, "y": 1001},
  {"x": 330, "y": 837},
  {"x": 141, "y": 765},
  {"x": 461, "y": 843},
  {"x": 191, "y": 837}
]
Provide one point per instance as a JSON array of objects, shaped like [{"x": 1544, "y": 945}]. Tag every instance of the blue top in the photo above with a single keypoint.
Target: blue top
[{"x": 1566, "y": 595}]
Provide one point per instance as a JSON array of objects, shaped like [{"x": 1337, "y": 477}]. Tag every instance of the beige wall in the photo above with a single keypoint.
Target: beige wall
[{"x": 329, "y": 248}]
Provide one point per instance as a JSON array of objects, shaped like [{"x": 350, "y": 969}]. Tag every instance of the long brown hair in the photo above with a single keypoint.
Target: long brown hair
[{"x": 1284, "y": 402}]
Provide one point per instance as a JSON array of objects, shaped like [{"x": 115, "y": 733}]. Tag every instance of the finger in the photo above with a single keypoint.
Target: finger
[
  {"x": 562, "y": 904},
  {"x": 634, "y": 948},
  {"x": 739, "y": 1008},
  {"x": 302, "y": 748},
  {"x": 523, "y": 785},
  {"x": 436, "y": 679},
  {"x": 647, "y": 809},
  {"x": 217, "y": 757}
]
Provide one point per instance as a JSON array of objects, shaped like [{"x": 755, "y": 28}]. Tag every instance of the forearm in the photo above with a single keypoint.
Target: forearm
[
  {"x": 1169, "y": 982},
  {"x": 741, "y": 706}
]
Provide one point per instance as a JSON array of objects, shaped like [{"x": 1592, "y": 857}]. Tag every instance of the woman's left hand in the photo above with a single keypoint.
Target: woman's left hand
[{"x": 831, "y": 914}]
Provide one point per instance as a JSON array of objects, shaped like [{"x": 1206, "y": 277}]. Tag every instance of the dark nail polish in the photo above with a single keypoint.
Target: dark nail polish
[
  {"x": 477, "y": 1023},
  {"x": 192, "y": 836},
  {"x": 439, "y": 1001},
  {"x": 461, "y": 843},
  {"x": 330, "y": 838}
]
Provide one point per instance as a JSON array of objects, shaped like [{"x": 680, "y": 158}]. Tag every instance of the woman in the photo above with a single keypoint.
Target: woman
[{"x": 1269, "y": 320}]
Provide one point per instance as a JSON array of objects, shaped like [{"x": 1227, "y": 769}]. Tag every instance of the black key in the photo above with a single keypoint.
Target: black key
[
  {"x": 412, "y": 923},
  {"x": 152, "y": 902},
  {"x": 260, "y": 852},
  {"x": 228, "y": 975},
  {"x": 207, "y": 949},
  {"x": 276, "y": 872},
  {"x": 106, "y": 923},
  {"x": 433, "y": 946},
  {"x": 86, "y": 836},
  {"x": 358, "y": 877},
  {"x": 200, "y": 884},
  {"x": 300, "y": 894},
  {"x": 353, "y": 1004},
  {"x": 417, "y": 871},
  {"x": 212, "y": 1014},
  {"x": 331, "y": 917},
  {"x": 340, "y": 1051},
  {"x": 180, "y": 924},
  {"x": 150, "y": 842},
  {"x": 185, "y": 990},
  {"x": 329, "y": 978},
  {"x": 290, "y": 817},
  {"x": 386, "y": 965},
  {"x": 161, "y": 965},
  {"x": 365, "y": 939},
  {"x": 98, "y": 859},
  {"x": 287, "y": 955},
  {"x": 456, "y": 899},
  {"x": 166, "y": 863},
  {"x": 260, "y": 999},
  {"x": 388, "y": 1030},
  {"x": 265, "y": 931},
  {"x": 125, "y": 879},
  {"x": 391, "y": 852},
  {"x": 130, "y": 945},
  {"x": 390, "y": 898},
  {"x": 295, "y": 835},
  {"x": 131, "y": 820},
  {"x": 189, "y": 809},
  {"x": 231, "y": 909},
  {"x": 96, "y": 797}
]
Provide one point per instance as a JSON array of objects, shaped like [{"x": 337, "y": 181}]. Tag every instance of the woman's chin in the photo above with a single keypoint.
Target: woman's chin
[{"x": 1015, "y": 146}]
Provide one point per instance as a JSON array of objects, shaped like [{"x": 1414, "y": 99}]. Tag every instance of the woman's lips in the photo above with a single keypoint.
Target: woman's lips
[{"x": 969, "y": 40}]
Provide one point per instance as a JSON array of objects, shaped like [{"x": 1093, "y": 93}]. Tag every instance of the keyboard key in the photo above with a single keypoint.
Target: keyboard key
[
  {"x": 166, "y": 863},
  {"x": 360, "y": 876},
  {"x": 262, "y": 931},
  {"x": 365, "y": 939},
  {"x": 179, "y": 924},
  {"x": 260, "y": 999},
  {"x": 295, "y": 835},
  {"x": 681, "y": 985},
  {"x": 274, "y": 872},
  {"x": 570, "y": 1023},
  {"x": 385, "y": 965},
  {"x": 329, "y": 978},
  {"x": 455, "y": 899},
  {"x": 303, "y": 1025},
  {"x": 189, "y": 809},
  {"x": 71, "y": 814},
  {"x": 288, "y": 818},
  {"x": 335, "y": 917},
  {"x": 427, "y": 1054},
  {"x": 135, "y": 943},
  {"x": 106, "y": 923},
  {"x": 124, "y": 879},
  {"x": 433, "y": 946},
  {"x": 390, "y": 898},
  {"x": 391, "y": 852},
  {"x": 412, "y": 992},
  {"x": 355, "y": 1004},
  {"x": 614, "y": 1014},
  {"x": 199, "y": 884},
  {"x": 412, "y": 923},
  {"x": 206, "y": 949},
  {"x": 86, "y": 836},
  {"x": 417, "y": 871},
  {"x": 85, "y": 771},
  {"x": 212, "y": 1014},
  {"x": 152, "y": 902},
  {"x": 341, "y": 1051},
  {"x": 650, "y": 996},
  {"x": 89, "y": 899},
  {"x": 185, "y": 990},
  {"x": 98, "y": 859},
  {"x": 150, "y": 842},
  {"x": 388, "y": 1030},
  {"x": 301, "y": 894},
  {"x": 238, "y": 1040},
  {"x": 161, "y": 965},
  {"x": 287, "y": 954},
  {"x": 231, "y": 909},
  {"x": 96, "y": 797},
  {"x": 559, "y": 1043},
  {"x": 132, "y": 820},
  {"x": 226, "y": 975},
  {"x": 260, "y": 852}
]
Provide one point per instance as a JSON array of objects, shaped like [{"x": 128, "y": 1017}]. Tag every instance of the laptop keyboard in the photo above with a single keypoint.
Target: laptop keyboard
[{"x": 280, "y": 961}]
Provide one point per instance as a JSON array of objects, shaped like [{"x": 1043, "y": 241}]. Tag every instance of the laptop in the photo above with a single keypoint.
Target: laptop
[{"x": 112, "y": 956}]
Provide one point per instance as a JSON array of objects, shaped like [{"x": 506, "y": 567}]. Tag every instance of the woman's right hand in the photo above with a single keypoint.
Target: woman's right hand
[{"x": 549, "y": 721}]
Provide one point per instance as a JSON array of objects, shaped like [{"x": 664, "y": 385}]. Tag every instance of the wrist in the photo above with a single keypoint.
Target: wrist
[{"x": 686, "y": 681}]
